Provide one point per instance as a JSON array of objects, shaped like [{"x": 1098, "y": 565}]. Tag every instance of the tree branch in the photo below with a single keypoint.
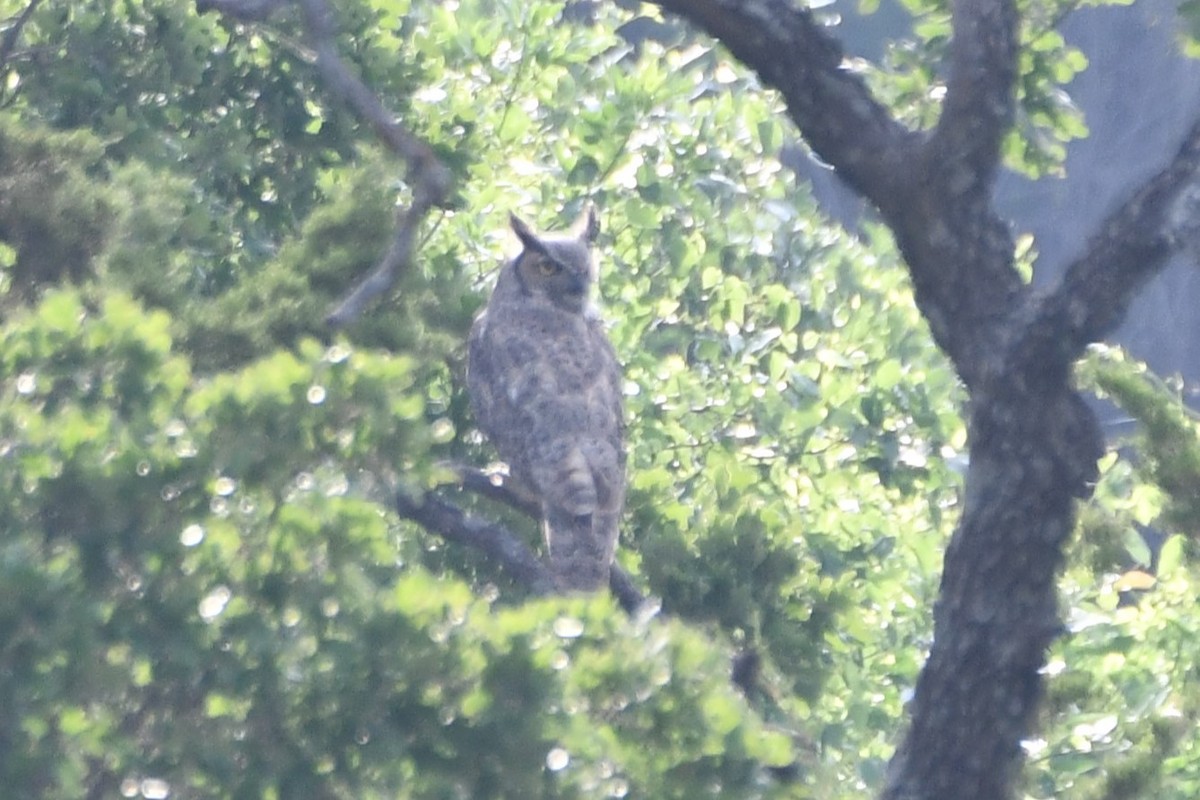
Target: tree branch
[
  {"x": 342, "y": 83},
  {"x": 627, "y": 594},
  {"x": 1034, "y": 443},
  {"x": 9, "y": 42},
  {"x": 496, "y": 541},
  {"x": 498, "y": 488},
  {"x": 958, "y": 250},
  {"x": 1131, "y": 246},
  {"x": 493, "y": 540},
  {"x": 397, "y": 259},
  {"x": 429, "y": 178},
  {"x": 978, "y": 109},
  {"x": 840, "y": 119}
]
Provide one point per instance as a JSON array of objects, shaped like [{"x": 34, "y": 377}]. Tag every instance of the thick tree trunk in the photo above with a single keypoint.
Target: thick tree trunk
[{"x": 997, "y": 611}]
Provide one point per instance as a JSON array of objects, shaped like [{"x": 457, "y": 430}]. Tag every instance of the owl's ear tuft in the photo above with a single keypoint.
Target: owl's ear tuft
[
  {"x": 529, "y": 239},
  {"x": 587, "y": 226}
]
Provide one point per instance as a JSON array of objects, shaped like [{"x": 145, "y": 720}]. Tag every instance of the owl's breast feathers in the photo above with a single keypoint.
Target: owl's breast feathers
[{"x": 543, "y": 369}]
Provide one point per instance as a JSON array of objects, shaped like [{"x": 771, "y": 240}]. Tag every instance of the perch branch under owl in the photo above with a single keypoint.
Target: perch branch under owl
[
  {"x": 495, "y": 541},
  {"x": 428, "y": 177},
  {"x": 486, "y": 484}
]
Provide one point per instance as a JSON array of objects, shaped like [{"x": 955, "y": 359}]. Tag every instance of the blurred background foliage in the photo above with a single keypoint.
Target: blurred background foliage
[{"x": 203, "y": 590}]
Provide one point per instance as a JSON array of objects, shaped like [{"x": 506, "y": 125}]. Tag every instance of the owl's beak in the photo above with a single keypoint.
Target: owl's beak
[{"x": 577, "y": 285}]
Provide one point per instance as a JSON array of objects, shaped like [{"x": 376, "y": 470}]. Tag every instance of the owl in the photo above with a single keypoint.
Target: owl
[{"x": 545, "y": 387}]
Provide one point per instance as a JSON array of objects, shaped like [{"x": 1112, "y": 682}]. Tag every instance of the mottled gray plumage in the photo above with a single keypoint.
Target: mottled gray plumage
[{"x": 546, "y": 389}]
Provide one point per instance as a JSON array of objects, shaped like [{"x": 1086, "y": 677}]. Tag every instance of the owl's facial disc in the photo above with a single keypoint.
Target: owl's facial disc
[
  {"x": 548, "y": 267},
  {"x": 564, "y": 285},
  {"x": 572, "y": 293}
]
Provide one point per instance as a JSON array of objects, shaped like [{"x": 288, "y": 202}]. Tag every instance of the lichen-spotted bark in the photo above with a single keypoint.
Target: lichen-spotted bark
[{"x": 1032, "y": 452}]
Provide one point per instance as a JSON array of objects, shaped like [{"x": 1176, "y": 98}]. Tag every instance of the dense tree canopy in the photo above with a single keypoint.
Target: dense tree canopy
[{"x": 209, "y": 589}]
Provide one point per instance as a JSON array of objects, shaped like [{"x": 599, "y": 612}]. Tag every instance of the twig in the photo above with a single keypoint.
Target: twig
[
  {"x": 344, "y": 84},
  {"x": 383, "y": 276},
  {"x": 14, "y": 32},
  {"x": 429, "y": 178}
]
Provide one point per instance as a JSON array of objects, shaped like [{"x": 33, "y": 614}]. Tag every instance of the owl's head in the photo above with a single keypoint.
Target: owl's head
[{"x": 558, "y": 266}]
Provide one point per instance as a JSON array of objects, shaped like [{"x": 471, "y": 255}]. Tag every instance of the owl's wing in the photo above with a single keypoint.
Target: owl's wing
[
  {"x": 503, "y": 370},
  {"x": 481, "y": 374}
]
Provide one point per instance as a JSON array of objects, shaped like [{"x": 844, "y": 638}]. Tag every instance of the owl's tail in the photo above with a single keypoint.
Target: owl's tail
[{"x": 581, "y": 548}]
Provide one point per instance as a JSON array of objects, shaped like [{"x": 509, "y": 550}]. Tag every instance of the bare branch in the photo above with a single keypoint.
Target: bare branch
[
  {"x": 342, "y": 83},
  {"x": 429, "y": 178},
  {"x": 397, "y": 258},
  {"x": 495, "y": 541},
  {"x": 502, "y": 546}
]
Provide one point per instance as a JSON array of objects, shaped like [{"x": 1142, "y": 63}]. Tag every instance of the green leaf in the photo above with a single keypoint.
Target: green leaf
[{"x": 1170, "y": 557}]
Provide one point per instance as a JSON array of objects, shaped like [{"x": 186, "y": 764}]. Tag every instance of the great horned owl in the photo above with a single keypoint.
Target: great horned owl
[{"x": 546, "y": 389}]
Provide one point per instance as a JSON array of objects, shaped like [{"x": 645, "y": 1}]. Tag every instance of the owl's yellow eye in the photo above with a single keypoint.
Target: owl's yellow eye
[{"x": 548, "y": 267}]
